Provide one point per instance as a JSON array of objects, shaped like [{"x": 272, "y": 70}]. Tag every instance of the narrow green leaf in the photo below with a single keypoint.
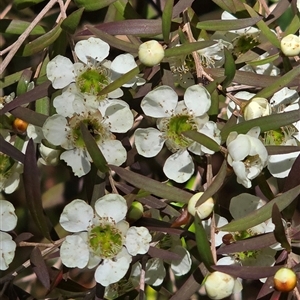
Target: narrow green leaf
[
  {"x": 267, "y": 60},
  {"x": 263, "y": 27},
  {"x": 203, "y": 244},
  {"x": 11, "y": 79},
  {"x": 202, "y": 139},
  {"x": 229, "y": 67},
  {"x": 152, "y": 186},
  {"x": 32, "y": 190},
  {"x": 187, "y": 48},
  {"x": 41, "y": 42},
  {"x": 125, "y": 9},
  {"x": 262, "y": 214},
  {"x": 93, "y": 149},
  {"x": 10, "y": 150},
  {"x": 113, "y": 41},
  {"x": 231, "y": 6},
  {"x": 70, "y": 24},
  {"x": 42, "y": 106},
  {"x": 167, "y": 20},
  {"x": 226, "y": 25},
  {"x": 23, "y": 82},
  {"x": 293, "y": 26},
  {"x": 279, "y": 84},
  {"x": 279, "y": 231},
  {"x": 21, "y": 4},
  {"x": 266, "y": 123},
  {"x": 92, "y": 5},
  {"x": 122, "y": 80},
  {"x": 18, "y": 27}
]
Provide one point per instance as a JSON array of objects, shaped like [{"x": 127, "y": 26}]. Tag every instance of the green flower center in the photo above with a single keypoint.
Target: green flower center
[
  {"x": 279, "y": 136},
  {"x": 93, "y": 80},
  {"x": 242, "y": 235},
  {"x": 95, "y": 127},
  {"x": 176, "y": 126},
  {"x": 106, "y": 240},
  {"x": 6, "y": 164},
  {"x": 244, "y": 43}
]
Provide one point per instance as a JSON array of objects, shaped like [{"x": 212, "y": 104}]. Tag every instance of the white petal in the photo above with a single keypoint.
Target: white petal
[
  {"x": 179, "y": 166},
  {"x": 7, "y": 250},
  {"x": 35, "y": 133},
  {"x": 148, "y": 141},
  {"x": 93, "y": 47},
  {"x": 160, "y": 102},
  {"x": 76, "y": 216},
  {"x": 155, "y": 272},
  {"x": 137, "y": 240},
  {"x": 239, "y": 148},
  {"x": 111, "y": 206},
  {"x": 55, "y": 130},
  {"x": 60, "y": 71},
  {"x": 197, "y": 99},
  {"x": 77, "y": 160},
  {"x": 240, "y": 171},
  {"x": 11, "y": 183},
  {"x": 183, "y": 265},
  {"x": 118, "y": 115},
  {"x": 244, "y": 204},
  {"x": 280, "y": 165},
  {"x": 74, "y": 252},
  {"x": 114, "y": 152},
  {"x": 111, "y": 271},
  {"x": 8, "y": 218}
]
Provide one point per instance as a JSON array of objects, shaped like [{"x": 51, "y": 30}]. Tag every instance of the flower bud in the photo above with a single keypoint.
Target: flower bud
[
  {"x": 49, "y": 156},
  {"x": 219, "y": 285},
  {"x": 151, "y": 53},
  {"x": 290, "y": 45},
  {"x": 135, "y": 211},
  {"x": 285, "y": 280},
  {"x": 257, "y": 107},
  {"x": 20, "y": 126},
  {"x": 203, "y": 210}
]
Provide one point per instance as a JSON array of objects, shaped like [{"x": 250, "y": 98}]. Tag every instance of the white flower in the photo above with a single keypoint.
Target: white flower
[
  {"x": 219, "y": 285},
  {"x": 94, "y": 72},
  {"x": 247, "y": 155},
  {"x": 258, "y": 107},
  {"x": 174, "y": 118},
  {"x": 113, "y": 116},
  {"x": 298, "y": 5},
  {"x": 280, "y": 165},
  {"x": 102, "y": 238},
  {"x": 8, "y": 221},
  {"x": 151, "y": 53}
]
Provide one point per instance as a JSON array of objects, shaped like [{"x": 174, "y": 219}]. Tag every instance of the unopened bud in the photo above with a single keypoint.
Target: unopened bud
[
  {"x": 203, "y": 210},
  {"x": 135, "y": 211},
  {"x": 285, "y": 280},
  {"x": 151, "y": 53},
  {"x": 290, "y": 45},
  {"x": 257, "y": 107}
]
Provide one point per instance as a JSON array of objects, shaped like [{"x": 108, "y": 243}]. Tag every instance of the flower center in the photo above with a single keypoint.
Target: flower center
[
  {"x": 93, "y": 80},
  {"x": 279, "y": 136},
  {"x": 177, "y": 125},
  {"x": 95, "y": 127},
  {"x": 244, "y": 43},
  {"x": 251, "y": 161},
  {"x": 105, "y": 240}
]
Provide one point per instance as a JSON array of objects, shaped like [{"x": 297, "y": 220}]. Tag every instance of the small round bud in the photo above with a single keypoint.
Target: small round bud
[
  {"x": 219, "y": 285},
  {"x": 20, "y": 126},
  {"x": 290, "y": 45},
  {"x": 203, "y": 210},
  {"x": 151, "y": 53},
  {"x": 285, "y": 280},
  {"x": 257, "y": 107},
  {"x": 135, "y": 211}
]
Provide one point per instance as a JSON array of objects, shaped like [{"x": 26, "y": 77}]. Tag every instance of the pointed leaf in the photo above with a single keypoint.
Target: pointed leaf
[
  {"x": 154, "y": 187},
  {"x": 93, "y": 149},
  {"x": 226, "y": 25},
  {"x": 167, "y": 19},
  {"x": 71, "y": 23},
  {"x": 18, "y": 27},
  {"x": 39, "y": 267},
  {"x": 231, "y": 6},
  {"x": 187, "y": 48},
  {"x": 266, "y": 123},
  {"x": 29, "y": 116},
  {"x": 21, "y": 4},
  {"x": 246, "y": 272},
  {"x": 92, "y": 5},
  {"x": 41, "y": 42},
  {"x": 230, "y": 68},
  {"x": 202, "y": 139},
  {"x": 262, "y": 214},
  {"x": 32, "y": 190},
  {"x": 279, "y": 231},
  {"x": 282, "y": 149},
  {"x": 10, "y": 150},
  {"x": 203, "y": 244}
]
